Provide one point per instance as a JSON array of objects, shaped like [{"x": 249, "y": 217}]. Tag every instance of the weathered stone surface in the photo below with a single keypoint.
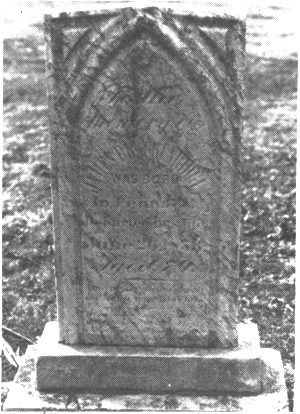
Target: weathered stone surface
[
  {"x": 23, "y": 395},
  {"x": 148, "y": 369},
  {"x": 145, "y": 112}
]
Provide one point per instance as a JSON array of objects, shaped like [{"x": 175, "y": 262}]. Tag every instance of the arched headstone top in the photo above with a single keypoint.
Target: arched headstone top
[{"x": 211, "y": 59}]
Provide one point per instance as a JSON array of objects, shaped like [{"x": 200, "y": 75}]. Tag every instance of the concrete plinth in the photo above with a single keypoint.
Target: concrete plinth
[
  {"x": 23, "y": 395},
  {"x": 145, "y": 369}
]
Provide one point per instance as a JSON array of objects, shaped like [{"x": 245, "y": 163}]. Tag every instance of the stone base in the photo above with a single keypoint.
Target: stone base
[
  {"x": 23, "y": 395},
  {"x": 148, "y": 369}
]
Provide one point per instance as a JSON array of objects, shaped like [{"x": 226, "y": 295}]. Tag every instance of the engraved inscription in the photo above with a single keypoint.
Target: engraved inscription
[{"x": 147, "y": 204}]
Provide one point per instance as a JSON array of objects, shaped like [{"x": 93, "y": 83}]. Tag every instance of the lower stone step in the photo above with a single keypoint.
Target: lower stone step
[
  {"x": 24, "y": 396},
  {"x": 152, "y": 370}
]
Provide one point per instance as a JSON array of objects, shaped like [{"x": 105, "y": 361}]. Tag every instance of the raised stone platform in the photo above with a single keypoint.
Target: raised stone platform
[
  {"x": 23, "y": 395},
  {"x": 152, "y": 370}
]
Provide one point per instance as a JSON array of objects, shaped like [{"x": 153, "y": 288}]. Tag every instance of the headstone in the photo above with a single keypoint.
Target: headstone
[
  {"x": 145, "y": 115},
  {"x": 145, "y": 108}
]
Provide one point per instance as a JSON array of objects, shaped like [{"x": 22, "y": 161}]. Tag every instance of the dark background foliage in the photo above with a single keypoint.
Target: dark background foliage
[{"x": 267, "y": 273}]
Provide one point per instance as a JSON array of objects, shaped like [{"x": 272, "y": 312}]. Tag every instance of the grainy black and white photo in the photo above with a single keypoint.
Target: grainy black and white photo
[{"x": 149, "y": 185}]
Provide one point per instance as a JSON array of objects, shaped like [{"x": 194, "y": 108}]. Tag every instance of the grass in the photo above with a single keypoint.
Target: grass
[{"x": 268, "y": 209}]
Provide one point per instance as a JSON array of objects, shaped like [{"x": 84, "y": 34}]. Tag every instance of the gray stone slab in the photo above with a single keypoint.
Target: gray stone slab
[
  {"x": 148, "y": 369},
  {"x": 145, "y": 113},
  {"x": 23, "y": 395}
]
